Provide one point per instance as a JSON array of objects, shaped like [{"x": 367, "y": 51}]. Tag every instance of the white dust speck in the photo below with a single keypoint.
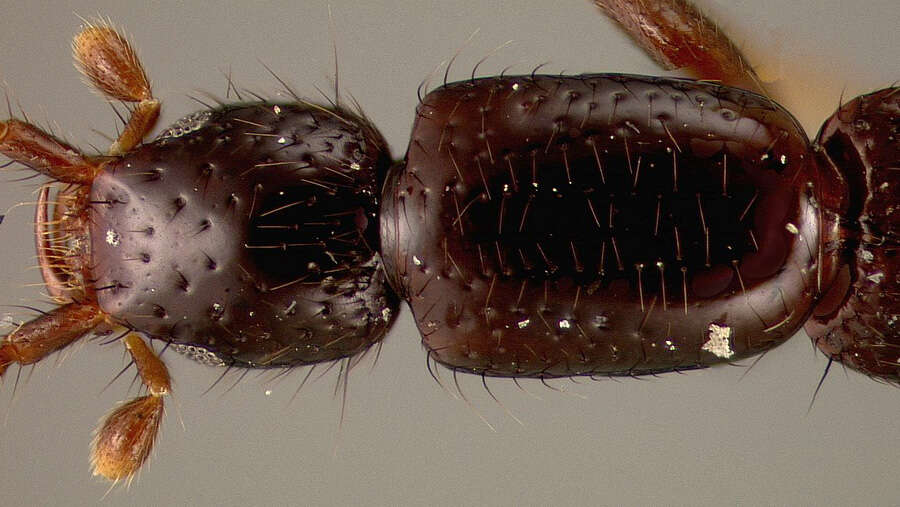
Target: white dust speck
[
  {"x": 875, "y": 277},
  {"x": 112, "y": 237},
  {"x": 718, "y": 341},
  {"x": 600, "y": 320}
]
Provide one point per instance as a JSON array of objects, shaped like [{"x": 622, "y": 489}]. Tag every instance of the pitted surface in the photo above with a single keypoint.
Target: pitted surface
[
  {"x": 548, "y": 225},
  {"x": 251, "y": 233}
]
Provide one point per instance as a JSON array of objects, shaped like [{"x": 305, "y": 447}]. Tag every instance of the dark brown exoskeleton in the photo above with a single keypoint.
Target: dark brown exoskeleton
[
  {"x": 539, "y": 226},
  {"x": 624, "y": 225},
  {"x": 245, "y": 236},
  {"x": 605, "y": 224}
]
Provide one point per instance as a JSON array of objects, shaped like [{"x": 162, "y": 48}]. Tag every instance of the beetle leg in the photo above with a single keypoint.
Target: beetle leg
[
  {"x": 113, "y": 68},
  {"x": 125, "y": 437},
  {"x": 38, "y": 338},
  {"x": 677, "y": 35}
]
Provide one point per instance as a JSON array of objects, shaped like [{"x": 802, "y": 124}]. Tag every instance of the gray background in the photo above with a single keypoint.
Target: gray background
[{"x": 709, "y": 437}]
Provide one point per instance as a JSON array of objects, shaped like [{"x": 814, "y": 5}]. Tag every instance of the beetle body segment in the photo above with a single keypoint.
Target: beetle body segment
[
  {"x": 858, "y": 322},
  {"x": 603, "y": 224},
  {"x": 250, "y": 231}
]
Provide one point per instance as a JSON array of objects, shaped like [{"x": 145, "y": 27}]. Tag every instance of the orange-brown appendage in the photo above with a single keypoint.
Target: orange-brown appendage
[
  {"x": 143, "y": 118},
  {"x": 112, "y": 66},
  {"x": 125, "y": 437},
  {"x": 38, "y": 338},
  {"x": 152, "y": 370},
  {"x": 44, "y": 153},
  {"x": 677, "y": 35}
]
